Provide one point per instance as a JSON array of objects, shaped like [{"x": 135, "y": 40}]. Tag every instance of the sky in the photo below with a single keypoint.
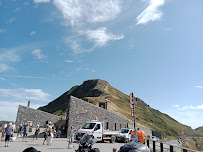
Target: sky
[{"x": 152, "y": 48}]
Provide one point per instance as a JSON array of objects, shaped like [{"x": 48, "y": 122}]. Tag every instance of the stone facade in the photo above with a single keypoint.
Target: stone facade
[
  {"x": 80, "y": 111},
  {"x": 26, "y": 114}
]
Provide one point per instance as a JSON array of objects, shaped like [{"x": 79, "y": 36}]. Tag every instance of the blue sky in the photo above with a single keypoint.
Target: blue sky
[{"x": 150, "y": 47}]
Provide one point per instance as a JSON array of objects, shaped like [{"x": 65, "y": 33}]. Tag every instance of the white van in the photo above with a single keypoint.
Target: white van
[
  {"x": 124, "y": 135},
  {"x": 96, "y": 128}
]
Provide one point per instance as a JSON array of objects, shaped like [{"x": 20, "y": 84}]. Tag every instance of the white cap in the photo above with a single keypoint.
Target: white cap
[
  {"x": 10, "y": 123},
  {"x": 20, "y": 124},
  {"x": 37, "y": 125}
]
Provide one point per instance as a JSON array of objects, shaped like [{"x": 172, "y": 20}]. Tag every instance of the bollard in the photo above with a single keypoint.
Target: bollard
[
  {"x": 114, "y": 149},
  {"x": 161, "y": 147},
  {"x": 171, "y": 148},
  {"x": 154, "y": 146},
  {"x": 148, "y": 143}
]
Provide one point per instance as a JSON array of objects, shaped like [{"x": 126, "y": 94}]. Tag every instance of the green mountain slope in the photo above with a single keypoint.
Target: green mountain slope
[{"x": 97, "y": 90}]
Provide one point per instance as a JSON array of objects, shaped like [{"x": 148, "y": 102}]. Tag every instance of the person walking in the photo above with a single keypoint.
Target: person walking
[
  {"x": 8, "y": 132},
  {"x": 49, "y": 136},
  {"x": 25, "y": 132},
  {"x": 45, "y": 133},
  {"x": 36, "y": 132},
  {"x": 20, "y": 129},
  {"x": 71, "y": 139},
  {"x": 14, "y": 127}
]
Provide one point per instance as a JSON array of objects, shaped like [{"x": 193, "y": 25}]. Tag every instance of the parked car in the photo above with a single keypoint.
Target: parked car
[
  {"x": 154, "y": 138},
  {"x": 124, "y": 135}
]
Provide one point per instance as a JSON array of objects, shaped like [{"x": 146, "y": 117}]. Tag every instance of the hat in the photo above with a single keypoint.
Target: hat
[
  {"x": 20, "y": 124},
  {"x": 37, "y": 125},
  {"x": 10, "y": 124}
]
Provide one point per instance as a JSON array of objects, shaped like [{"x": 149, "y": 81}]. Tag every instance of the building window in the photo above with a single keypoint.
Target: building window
[
  {"x": 115, "y": 126},
  {"x": 107, "y": 125},
  {"x": 127, "y": 125},
  {"x": 120, "y": 126}
]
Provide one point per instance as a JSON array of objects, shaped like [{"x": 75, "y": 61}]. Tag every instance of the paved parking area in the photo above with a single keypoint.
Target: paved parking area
[{"x": 58, "y": 145}]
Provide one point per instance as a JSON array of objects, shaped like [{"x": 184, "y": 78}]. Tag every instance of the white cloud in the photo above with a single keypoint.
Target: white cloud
[
  {"x": 84, "y": 15},
  {"x": 100, "y": 36},
  {"x": 68, "y": 61},
  {"x": 41, "y": 1},
  {"x": 17, "y": 9},
  {"x": 9, "y": 56},
  {"x": 38, "y": 54},
  {"x": 29, "y": 77},
  {"x": 199, "y": 107},
  {"x": 151, "y": 13},
  {"x": 5, "y": 67},
  {"x": 12, "y": 20},
  {"x": 175, "y": 106},
  {"x": 26, "y": 3},
  {"x": 2, "y": 79},
  {"x": 199, "y": 87},
  {"x": 11, "y": 108},
  {"x": 2, "y": 31},
  {"x": 33, "y": 33},
  {"x": 75, "y": 46},
  {"x": 193, "y": 118},
  {"x": 96, "y": 11},
  {"x": 32, "y": 94}
]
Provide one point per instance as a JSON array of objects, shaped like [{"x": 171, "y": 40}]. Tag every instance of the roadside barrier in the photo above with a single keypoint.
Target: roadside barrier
[{"x": 164, "y": 147}]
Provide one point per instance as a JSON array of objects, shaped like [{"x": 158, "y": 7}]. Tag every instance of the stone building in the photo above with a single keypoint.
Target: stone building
[
  {"x": 26, "y": 114},
  {"x": 78, "y": 113}
]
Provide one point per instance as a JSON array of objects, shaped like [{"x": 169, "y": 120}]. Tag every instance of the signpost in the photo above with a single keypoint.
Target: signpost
[
  {"x": 132, "y": 105},
  {"x": 182, "y": 133}
]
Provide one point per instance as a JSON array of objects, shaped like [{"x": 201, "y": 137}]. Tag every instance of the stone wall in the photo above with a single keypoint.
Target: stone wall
[
  {"x": 26, "y": 114},
  {"x": 80, "y": 111}
]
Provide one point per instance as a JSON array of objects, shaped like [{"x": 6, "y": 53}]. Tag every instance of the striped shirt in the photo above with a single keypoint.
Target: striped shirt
[{"x": 9, "y": 130}]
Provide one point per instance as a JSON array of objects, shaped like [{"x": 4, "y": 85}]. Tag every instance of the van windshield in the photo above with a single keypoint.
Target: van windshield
[
  {"x": 89, "y": 126},
  {"x": 124, "y": 130}
]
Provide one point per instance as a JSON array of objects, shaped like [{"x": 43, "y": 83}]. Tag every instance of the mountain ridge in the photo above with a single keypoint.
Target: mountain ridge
[{"x": 97, "y": 90}]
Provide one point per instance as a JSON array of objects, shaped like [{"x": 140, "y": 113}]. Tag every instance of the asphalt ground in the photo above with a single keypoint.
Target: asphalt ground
[{"x": 58, "y": 145}]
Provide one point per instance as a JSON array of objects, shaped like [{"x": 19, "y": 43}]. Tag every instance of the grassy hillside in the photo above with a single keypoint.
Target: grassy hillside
[
  {"x": 200, "y": 130},
  {"x": 101, "y": 91}
]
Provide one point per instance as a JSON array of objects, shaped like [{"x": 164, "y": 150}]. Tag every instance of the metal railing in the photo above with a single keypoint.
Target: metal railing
[{"x": 164, "y": 147}]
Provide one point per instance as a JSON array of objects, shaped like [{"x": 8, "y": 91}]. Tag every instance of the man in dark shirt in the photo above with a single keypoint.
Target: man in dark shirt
[{"x": 25, "y": 132}]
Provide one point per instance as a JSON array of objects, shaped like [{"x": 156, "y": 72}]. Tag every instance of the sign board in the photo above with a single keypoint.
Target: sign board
[{"x": 80, "y": 116}]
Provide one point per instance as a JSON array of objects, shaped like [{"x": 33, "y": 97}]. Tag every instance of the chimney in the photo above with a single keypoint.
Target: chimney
[{"x": 28, "y": 104}]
